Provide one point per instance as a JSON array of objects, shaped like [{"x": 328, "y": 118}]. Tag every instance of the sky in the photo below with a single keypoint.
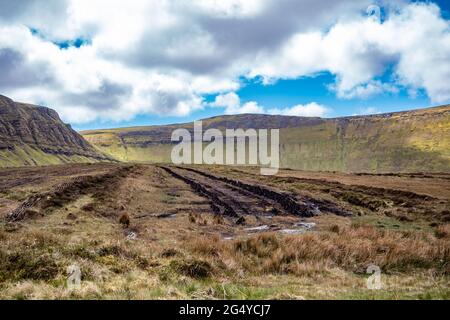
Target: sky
[{"x": 113, "y": 63}]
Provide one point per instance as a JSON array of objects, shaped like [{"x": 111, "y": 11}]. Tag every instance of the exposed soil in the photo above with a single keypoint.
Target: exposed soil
[
  {"x": 98, "y": 185},
  {"x": 400, "y": 201},
  {"x": 239, "y": 198},
  {"x": 173, "y": 226},
  {"x": 235, "y": 194}
]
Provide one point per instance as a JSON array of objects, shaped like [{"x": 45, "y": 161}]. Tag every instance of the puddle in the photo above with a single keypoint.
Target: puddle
[
  {"x": 306, "y": 225},
  {"x": 302, "y": 227},
  {"x": 166, "y": 215},
  {"x": 257, "y": 229},
  {"x": 227, "y": 236},
  {"x": 292, "y": 231},
  {"x": 297, "y": 228}
]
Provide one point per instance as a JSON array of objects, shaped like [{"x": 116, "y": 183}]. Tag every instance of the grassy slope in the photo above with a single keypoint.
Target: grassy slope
[
  {"x": 400, "y": 142},
  {"x": 24, "y": 155}
]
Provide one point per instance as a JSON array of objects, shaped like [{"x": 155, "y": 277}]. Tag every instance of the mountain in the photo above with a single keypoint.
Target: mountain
[
  {"x": 410, "y": 141},
  {"x": 33, "y": 135}
]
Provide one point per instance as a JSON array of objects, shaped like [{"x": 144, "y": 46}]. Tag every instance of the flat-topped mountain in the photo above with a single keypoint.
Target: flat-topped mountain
[
  {"x": 34, "y": 135},
  {"x": 410, "y": 141}
]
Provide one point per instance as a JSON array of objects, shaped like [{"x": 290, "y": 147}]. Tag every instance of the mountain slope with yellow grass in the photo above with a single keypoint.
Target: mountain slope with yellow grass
[{"x": 410, "y": 141}]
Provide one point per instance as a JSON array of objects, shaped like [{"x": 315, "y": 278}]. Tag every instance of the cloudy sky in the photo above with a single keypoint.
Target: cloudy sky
[{"x": 107, "y": 63}]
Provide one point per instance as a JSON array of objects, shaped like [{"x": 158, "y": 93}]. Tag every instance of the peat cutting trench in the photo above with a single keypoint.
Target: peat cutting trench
[{"x": 236, "y": 199}]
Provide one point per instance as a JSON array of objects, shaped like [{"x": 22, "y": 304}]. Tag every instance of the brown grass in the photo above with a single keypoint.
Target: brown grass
[
  {"x": 443, "y": 232},
  {"x": 125, "y": 220},
  {"x": 175, "y": 258},
  {"x": 351, "y": 248}
]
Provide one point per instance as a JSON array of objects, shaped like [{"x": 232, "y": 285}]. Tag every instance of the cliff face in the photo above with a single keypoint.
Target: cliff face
[
  {"x": 33, "y": 135},
  {"x": 409, "y": 141}
]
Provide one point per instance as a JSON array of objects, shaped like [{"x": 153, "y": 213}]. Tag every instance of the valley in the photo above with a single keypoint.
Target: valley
[
  {"x": 221, "y": 232},
  {"x": 409, "y": 141},
  {"x": 352, "y": 192}
]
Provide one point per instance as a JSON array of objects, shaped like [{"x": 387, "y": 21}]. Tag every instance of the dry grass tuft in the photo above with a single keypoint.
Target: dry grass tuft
[
  {"x": 443, "y": 232},
  {"x": 352, "y": 249},
  {"x": 335, "y": 228},
  {"x": 125, "y": 220},
  {"x": 170, "y": 253},
  {"x": 196, "y": 269}
]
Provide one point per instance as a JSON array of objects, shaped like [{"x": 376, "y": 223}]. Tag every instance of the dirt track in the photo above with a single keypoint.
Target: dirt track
[
  {"x": 235, "y": 194},
  {"x": 237, "y": 198},
  {"x": 239, "y": 225}
]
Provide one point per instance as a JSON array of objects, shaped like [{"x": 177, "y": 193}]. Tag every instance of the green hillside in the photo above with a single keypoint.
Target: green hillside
[{"x": 409, "y": 141}]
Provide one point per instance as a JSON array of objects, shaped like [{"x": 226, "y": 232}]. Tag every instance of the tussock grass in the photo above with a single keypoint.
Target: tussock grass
[
  {"x": 350, "y": 248},
  {"x": 197, "y": 269},
  {"x": 443, "y": 232},
  {"x": 41, "y": 255}
]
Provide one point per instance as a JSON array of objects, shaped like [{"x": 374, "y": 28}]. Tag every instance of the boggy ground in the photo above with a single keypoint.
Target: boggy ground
[{"x": 221, "y": 232}]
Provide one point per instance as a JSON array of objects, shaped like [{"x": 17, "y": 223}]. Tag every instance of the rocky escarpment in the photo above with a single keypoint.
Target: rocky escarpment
[{"x": 33, "y": 135}]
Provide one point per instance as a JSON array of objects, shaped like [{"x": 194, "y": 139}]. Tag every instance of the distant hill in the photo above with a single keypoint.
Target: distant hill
[
  {"x": 411, "y": 141},
  {"x": 33, "y": 135}
]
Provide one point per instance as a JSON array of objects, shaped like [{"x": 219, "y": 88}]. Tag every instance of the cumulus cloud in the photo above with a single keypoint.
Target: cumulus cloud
[
  {"x": 415, "y": 41},
  {"x": 312, "y": 109},
  {"x": 163, "y": 57},
  {"x": 365, "y": 90},
  {"x": 232, "y": 104}
]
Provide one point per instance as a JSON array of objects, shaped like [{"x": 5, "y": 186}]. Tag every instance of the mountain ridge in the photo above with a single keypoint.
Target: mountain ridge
[
  {"x": 404, "y": 141},
  {"x": 443, "y": 108}
]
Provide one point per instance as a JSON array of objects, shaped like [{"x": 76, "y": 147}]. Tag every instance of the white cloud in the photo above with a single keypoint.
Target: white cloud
[
  {"x": 250, "y": 107},
  {"x": 366, "y": 90},
  {"x": 312, "y": 109},
  {"x": 416, "y": 41},
  {"x": 232, "y": 104},
  {"x": 162, "y": 57},
  {"x": 230, "y": 101}
]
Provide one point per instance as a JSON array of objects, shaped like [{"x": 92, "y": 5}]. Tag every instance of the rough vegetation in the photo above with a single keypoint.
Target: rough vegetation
[{"x": 140, "y": 232}]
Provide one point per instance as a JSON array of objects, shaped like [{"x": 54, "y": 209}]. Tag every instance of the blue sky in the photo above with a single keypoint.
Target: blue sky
[{"x": 151, "y": 62}]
